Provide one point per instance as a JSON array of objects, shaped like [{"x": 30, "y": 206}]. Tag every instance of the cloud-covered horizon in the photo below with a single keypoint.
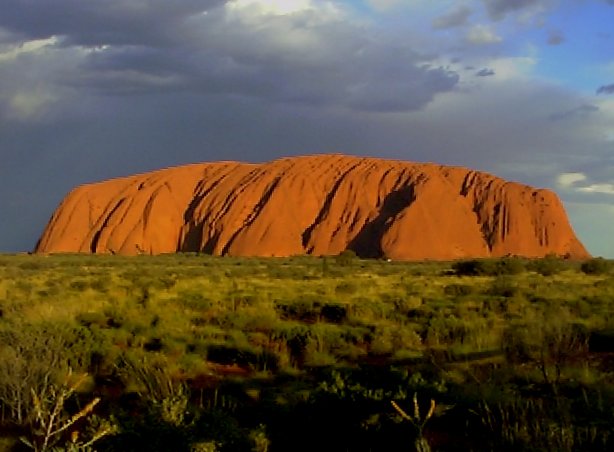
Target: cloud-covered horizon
[{"x": 105, "y": 88}]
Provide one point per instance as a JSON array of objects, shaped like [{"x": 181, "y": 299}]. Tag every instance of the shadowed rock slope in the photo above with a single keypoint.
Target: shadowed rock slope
[{"x": 317, "y": 205}]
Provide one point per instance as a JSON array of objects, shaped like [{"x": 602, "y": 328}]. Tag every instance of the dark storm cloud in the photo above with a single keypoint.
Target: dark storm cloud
[
  {"x": 583, "y": 111},
  {"x": 99, "y": 22},
  {"x": 7, "y": 37},
  {"x": 486, "y": 72},
  {"x": 454, "y": 18},
  {"x": 313, "y": 57},
  {"x": 300, "y": 59},
  {"x": 498, "y": 9},
  {"x": 606, "y": 89}
]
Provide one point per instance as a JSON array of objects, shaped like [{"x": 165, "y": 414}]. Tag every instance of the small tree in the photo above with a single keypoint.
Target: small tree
[
  {"x": 550, "y": 343},
  {"x": 51, "y": 422},
  {"x": 30, "y": 359}
]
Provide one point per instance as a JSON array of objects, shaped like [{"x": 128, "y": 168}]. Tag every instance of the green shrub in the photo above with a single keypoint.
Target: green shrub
[
  {"x": 306, "y": 308},
  {"x": 597, "y": 266},
  {"x": 89, "y": 319},
  {"x": 504, "y": 286},
  {"x": 31, "y": 358},
  {"x": 509, "y": 266},
  {"x": 473, "y": 267},
  {"x": 346, "y": 257},
  {"x": 334, "y": 313},
  {"x": 346, "y": 288},
  {"x": 458, "y": 290},
  {"x": 244, "y": 357},
  {"x": 489, "y": 267},
  {"x": 547, "y": 266}
]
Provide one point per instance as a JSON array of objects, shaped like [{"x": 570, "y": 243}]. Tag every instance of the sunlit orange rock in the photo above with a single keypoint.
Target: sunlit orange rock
[{"x": 317, "y": 205}]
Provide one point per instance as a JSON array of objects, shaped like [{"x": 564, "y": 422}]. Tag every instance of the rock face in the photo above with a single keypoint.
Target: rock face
[{"x": 317, "y": 205}]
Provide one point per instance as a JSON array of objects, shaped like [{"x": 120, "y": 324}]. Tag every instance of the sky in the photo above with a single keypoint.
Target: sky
[{"x": 91, "y": 90}]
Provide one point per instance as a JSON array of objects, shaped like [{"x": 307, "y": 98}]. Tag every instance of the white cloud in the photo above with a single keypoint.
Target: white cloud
[
  {"x": 27, "y": 105},
  {"x": 270, "y": 7},
  {"x": 607, "y": 189},
  {"x": 606, "y": 105},
  {"x": 511, "y": 67},
  {"x": 9, "y": 53},
  {"x": 482, "y": 34},
  {"x": 27, "y": 82},
  {"x": 573, "y": 181},
  {"x": 292, "y": 23},
  {"x": 566, "y": 180}
]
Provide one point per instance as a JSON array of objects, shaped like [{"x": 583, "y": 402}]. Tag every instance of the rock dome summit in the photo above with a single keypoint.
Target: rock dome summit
[{"x": 319, "y": 205}]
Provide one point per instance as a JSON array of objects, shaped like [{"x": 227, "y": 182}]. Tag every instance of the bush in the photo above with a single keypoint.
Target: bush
[
  {"x": 552, "y": 343},
  {"x": 88, "y": 319},
  {"x": 504, "y": 286},
  {"x": 246, "y": 357},
  {"x": 458, "y": 290},
  {"x": 597, "y": 266},
  {"x": 346, "y": 288},
  {"x": 601, "y": 341},
  {"x": 334, "y": 313},
  {"x": 346, "y": 257},
  {"x": 509, "y": 266},
  {"x": 31, "y": 358},
  {"x": 489, "y": 267},
  {"x": 473, "y": 267},
  {"x": 548, "y": 266},
  {"x": 305, "y": 309}
]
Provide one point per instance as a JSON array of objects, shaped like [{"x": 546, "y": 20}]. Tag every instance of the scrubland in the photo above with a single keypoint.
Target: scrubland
[{"x": 190, "y": 352}]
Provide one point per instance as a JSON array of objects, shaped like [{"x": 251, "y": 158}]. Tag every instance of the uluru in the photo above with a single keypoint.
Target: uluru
[{"x": 318, "y": 205}]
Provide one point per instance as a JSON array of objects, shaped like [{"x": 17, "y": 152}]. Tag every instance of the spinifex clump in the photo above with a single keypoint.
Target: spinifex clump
[{"x": 420, "y": 442}]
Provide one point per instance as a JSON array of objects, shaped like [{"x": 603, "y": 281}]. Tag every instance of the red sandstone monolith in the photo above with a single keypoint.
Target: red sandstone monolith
[{"x": 319, "y": 205}]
